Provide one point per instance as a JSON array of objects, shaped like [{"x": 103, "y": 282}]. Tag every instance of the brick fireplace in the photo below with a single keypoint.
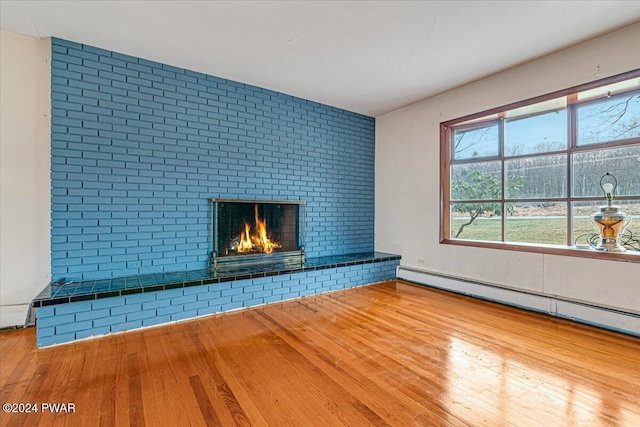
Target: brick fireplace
[{"x": 139, "y": 148}]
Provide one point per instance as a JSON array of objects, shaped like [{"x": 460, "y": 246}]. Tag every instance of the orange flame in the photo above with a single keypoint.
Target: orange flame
[
  {"x": 245, "y": 244},
  {"x": 259, "y": 242}
]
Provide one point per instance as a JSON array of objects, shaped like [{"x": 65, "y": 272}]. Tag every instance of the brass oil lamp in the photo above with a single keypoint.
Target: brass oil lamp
[{"x": 609, "y": 220}]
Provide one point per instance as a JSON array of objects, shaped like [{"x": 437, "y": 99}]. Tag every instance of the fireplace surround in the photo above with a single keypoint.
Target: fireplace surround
[
  {"x": 257, "y": 231},
  {"x": 132, "y": 263}
]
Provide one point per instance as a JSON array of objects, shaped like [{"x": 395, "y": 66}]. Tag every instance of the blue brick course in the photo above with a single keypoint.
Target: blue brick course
[
  {"x": 134, "y": 142},
  {"x": 76, "y": 320}
]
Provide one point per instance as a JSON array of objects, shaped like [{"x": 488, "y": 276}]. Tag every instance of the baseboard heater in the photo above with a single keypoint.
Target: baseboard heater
[{"x": 624, "y": 321}]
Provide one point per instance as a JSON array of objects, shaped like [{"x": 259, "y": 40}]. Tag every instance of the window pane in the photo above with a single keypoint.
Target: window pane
[
  {"x": 536, "y": 134},
  {"x": 609, "y": 120},
  {"x": 590, "y": 166},
  {"x": 536, "y": 177},
  {"x": 474, "y": 142},
  {"x": 476, "y": 221},
  {"x": 476, "y": 181},
  {"x": 541, "y": 222},
  {"x": 583, "y": 230}
]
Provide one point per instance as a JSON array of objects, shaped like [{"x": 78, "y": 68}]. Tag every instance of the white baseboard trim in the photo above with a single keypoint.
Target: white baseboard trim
[{"x": 603, "y": 317}]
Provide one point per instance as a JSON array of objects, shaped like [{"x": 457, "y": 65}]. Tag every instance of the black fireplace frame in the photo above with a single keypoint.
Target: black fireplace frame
[{"x": 221, "y": 263}]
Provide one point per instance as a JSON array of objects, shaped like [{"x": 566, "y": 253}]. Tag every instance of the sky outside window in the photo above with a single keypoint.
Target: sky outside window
[{"x": 536, "y": 134}]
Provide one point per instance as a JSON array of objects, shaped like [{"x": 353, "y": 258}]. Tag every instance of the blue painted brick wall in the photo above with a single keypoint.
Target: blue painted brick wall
[
  {"x": 138, "y": 148},
  {"x": 69, "y": 322}
]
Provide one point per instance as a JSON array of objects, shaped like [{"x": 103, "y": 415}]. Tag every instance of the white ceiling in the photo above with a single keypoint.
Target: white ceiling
[{"x": 370, "y": 57}]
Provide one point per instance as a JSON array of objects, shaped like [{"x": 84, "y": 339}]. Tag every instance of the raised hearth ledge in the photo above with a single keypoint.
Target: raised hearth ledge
[
  {"x": 86, "y": 290},
  {"x": 85, "y": 311}
]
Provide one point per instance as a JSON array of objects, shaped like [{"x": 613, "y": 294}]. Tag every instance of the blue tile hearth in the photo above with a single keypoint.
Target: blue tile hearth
[{"x": 62, "y": 293}]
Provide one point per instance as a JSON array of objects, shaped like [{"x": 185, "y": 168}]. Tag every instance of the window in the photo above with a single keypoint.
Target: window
[{"x": 527, "y": 176}]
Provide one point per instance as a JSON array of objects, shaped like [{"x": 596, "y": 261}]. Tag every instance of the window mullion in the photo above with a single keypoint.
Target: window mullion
[
  {"x": 571, "y": 139},
  {"x": 501, "y": 153}
]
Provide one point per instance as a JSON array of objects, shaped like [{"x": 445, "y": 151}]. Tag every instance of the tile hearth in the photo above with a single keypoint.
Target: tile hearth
[{"x": 54, "y": 294}]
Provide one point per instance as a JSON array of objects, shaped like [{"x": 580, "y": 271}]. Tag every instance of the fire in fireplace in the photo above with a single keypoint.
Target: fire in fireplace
[
  {"x": 253, "y": 239},
  {"x": 257, "y": 231}
]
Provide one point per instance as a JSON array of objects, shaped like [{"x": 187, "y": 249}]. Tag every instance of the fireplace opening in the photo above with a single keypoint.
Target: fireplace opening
[{"x": 257, "y": 231}]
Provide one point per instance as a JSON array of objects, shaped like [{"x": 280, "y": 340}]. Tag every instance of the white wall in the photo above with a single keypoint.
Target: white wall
[
  {"x": 25, "y": 260},
  {"x": 407, "y": 180}
]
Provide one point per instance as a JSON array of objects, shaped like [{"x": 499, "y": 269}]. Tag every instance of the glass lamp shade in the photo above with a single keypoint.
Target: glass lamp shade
[{"x": 610, "y": 221}]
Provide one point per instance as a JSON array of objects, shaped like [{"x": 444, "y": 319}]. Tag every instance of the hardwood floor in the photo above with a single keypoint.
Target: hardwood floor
[{"x": 386, "y": 354}]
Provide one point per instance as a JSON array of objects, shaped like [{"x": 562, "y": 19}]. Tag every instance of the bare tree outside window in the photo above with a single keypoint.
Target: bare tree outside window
[{"x": 609, "y": 121}]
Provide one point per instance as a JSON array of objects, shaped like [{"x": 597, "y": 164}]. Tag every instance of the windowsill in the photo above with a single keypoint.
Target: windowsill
[{"x": 629, "y": 256}]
